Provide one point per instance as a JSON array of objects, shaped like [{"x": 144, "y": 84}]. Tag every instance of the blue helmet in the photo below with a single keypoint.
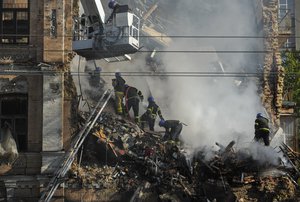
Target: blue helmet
[
  {"x": 112, "y": 4},
  {"x": 98, "y": 69},
  {"x": 150, "y": 99},
  {"x": 118, "y": 74},
  {"x": 259, "y": 115},
  {"x": 161, "y": 123}
]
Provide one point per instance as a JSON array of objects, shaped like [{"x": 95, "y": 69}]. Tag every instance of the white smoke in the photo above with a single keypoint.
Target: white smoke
[
  {"x": 214, "y": 108},
  {"x": 262, "y": 154}
]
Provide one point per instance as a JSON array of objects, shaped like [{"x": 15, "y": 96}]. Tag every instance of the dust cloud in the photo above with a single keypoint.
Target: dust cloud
[
  {"x": 216, "y": 108},
  {"x": 216, "y": 42}
]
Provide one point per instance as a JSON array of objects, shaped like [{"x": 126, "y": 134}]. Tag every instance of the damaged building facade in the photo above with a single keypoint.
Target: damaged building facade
[
  {"x": 279, "y": 26},
  {"x": 288, "y": 29},
  {"x": 35, "y": 42}
]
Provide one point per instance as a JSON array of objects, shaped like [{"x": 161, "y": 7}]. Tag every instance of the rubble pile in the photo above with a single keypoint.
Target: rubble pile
[
  {"x": 119, "y": 156},
  {"x": 267, "y": 189},
  {"x": 249, "y": 179},
  {"x": 128, "y": 158},
  {"x": 279, "y": 188}
]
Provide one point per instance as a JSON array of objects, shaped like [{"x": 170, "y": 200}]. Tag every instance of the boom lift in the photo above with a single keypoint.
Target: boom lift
[{"x": 97, "y": 38}]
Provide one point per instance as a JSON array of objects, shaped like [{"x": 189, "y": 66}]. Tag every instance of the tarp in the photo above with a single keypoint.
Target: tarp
[{"x": 8, "y": 146}]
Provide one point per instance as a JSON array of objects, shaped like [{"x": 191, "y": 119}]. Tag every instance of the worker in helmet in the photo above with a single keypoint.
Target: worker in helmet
[
  {"x": 132, "y": 100},
  {"x": 262, "y": 130},
  {"x": 117, "y": 8},
  {"x": 151, "y": 113},
  {"x": 173, "y": 129},
  {"x": 112, "y": 4},
  {"x": 119, "y": 87}
]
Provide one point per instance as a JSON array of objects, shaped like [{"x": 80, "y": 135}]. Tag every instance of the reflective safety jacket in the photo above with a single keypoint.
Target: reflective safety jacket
[
  {"x": 153, "y": 110},
  {"x": 261, "y": 124}
]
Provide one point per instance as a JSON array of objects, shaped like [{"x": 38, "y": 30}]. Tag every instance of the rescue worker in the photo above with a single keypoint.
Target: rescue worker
[
  {"x": 151, "y": 113},
  {"x": 262, "y": 130},
  {"x": 119, "y": 87},
  {"x": 173, "y": 129},
  {"x": 112, "y": 4},
  {"x": 116, "y": 8},
  {"x": 132, "y": 100}
]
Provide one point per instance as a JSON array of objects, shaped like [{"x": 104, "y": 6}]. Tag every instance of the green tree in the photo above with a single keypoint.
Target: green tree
[{"x": 291, "y": 64}]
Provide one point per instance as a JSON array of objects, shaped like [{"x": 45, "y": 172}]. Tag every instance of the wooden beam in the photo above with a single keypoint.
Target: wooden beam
[{"x": 150, "y": 11}]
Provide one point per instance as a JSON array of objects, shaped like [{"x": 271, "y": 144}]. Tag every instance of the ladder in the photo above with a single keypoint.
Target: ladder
[{"x": 69, "y": 157}]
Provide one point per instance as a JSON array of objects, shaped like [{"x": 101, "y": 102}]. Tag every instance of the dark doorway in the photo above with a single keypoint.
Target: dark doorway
[{"x": 13, "y": 110}]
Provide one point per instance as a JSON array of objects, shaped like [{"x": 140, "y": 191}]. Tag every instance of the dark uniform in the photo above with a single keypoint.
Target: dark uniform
[
  {"x": 173, "y": 129},
  {"x": 119, "y": 87},
  {"x": 262, "y": 130},
  {"x": 150, "y": 115},
  {"x": 132, "y": 100},
  {"x": 117, "y": 8}
]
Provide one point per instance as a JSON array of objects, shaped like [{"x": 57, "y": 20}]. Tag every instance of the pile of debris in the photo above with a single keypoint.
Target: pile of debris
[{"x": 119, "y": 156}]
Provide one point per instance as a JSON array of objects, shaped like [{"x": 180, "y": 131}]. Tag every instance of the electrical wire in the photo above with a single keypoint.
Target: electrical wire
[
  {"x": 155, "y": 74},
  {"x": 172, "y": 36},
  {"x": 162, "y": 51}
]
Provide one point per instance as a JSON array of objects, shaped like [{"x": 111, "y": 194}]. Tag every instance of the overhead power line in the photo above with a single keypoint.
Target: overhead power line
[
  {"x": 150, "y": 74},
  {"x": 172, "y": 36},
  {"x": 157, "y": 51}
]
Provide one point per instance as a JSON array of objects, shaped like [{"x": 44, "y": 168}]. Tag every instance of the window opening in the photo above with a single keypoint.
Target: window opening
[{"x": 14, "y": 21}]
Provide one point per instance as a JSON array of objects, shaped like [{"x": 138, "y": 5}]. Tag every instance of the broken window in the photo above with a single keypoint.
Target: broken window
[
  {"x": 14, "y": 21},
  {"x": 13, "y": 110}
]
